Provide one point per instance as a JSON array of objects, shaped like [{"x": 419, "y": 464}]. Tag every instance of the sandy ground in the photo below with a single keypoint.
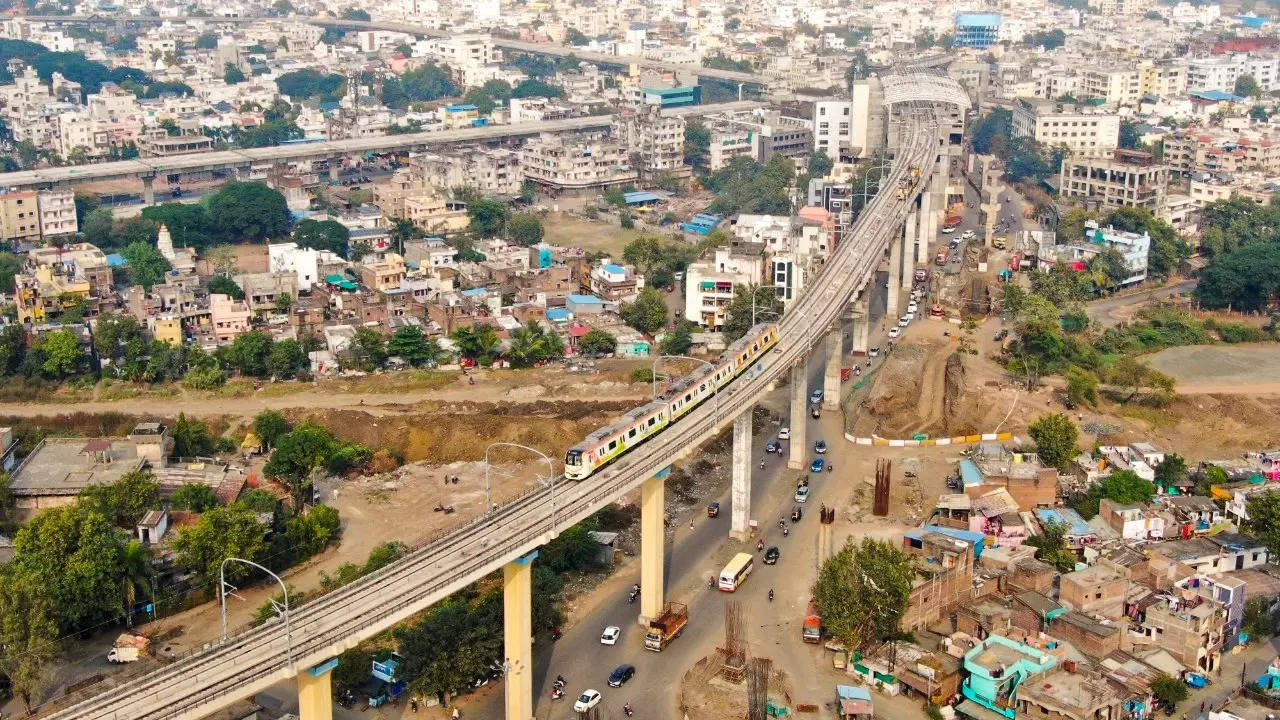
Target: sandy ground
[
  {"x": 603, "y": 235},
  {"x": 1252, "y": 369}
]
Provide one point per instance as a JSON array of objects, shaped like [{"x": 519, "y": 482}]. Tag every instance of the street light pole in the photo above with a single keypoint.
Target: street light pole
[
  {"x": 549, "y": 482},
  {"x": 282, "y": 610}
]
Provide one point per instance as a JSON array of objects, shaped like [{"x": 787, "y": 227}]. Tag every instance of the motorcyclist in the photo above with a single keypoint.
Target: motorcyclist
[
  {"x": 770, "y": 594},
  {"x": 786, "y": 532},
  {"x": 760, "y": 545}
]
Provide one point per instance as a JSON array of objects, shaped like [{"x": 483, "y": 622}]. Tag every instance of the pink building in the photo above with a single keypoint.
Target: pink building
[{"x": 230, "y": 317}]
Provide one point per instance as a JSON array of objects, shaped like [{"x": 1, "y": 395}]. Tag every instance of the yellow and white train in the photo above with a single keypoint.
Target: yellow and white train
[{"x": 609, "y": 443}]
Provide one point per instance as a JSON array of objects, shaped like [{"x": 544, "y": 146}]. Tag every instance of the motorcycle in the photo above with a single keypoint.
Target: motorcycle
[
  {"x": 831, "y": 467},
  {"x": 626, "y": 710},
  {"x": 770, "y": 594},
  {"x": 557, "y": 693},
  {"x": 711, "y": 583},
  {"x": 786, "y": 532},
  {"x": 631, "y": 597}
]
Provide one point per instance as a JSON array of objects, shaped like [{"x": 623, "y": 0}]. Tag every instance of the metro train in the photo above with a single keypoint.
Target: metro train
[{"x": 607, "y": 444}]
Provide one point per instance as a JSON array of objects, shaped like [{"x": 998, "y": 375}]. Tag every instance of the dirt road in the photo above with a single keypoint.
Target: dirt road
[{"x": 506, "y": 388}]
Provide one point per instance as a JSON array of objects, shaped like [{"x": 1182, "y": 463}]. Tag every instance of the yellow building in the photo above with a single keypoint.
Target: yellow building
[
  {"x": 167, "y": 328},
  {"x": 434, "y": 214},
  {"x": 44, "y": 295},
  {"x": 382, "y": 273},
  {"x": 19, "y": 216}
]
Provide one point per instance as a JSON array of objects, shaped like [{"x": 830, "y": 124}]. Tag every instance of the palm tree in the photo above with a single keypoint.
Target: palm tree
[
  {"x": 476, "y": 342},
  {"x": 403, "y": 230},
  {"x": 135, "y": 580}
]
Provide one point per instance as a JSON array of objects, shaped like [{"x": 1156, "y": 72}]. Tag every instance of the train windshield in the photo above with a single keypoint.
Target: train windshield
[{"x": 573, "y": 458}]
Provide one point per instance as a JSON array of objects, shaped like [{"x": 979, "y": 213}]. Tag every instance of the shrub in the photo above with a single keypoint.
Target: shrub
[
  {"x": 1239, "y": 333},
  {"x": 209, "y": 378}
]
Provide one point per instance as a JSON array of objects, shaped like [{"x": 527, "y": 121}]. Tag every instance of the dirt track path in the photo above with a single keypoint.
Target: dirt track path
[
  {"x": 485, "y": 390},
  {"x": 929, "y": 405}
]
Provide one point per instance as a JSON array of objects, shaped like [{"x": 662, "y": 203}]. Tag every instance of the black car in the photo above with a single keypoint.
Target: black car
[
  {"x": 773, "y": 447},
  {"x": 820, "y": 446},
  {"x": 621, "y": 675},
  {"x": 771, "y": 555}
]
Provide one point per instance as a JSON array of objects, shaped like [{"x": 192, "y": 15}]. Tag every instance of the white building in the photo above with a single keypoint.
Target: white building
[
  {"x": 840, "y": 127},
  {"x": 1081, "y": 131},
  {"x": 57, "y": 212},
  {"x": 305, "y": 263},
  {"x": 709, "y": 286}
]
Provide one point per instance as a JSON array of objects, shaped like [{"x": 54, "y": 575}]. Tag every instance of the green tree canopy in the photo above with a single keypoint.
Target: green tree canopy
[
  {"x": 145, "y": 264},
  {"x": 1051, "y": 546},
  {"x": 124, "y": 501},
  {"x": 76, "y": 554},
  {"x": 478, "y": 343},
  {"x": 248, "y": 212},
  {"x": 226, "y": 286},
  {"x": 1056, "y": 437},
  {"x": 648, "y": 313},
  {"x": 597, "y": 342},
  {"x": 526, "y": 229},
  {"x": 409, "y": 344},
  {"x": 368, "y": 349},
  {"x": 221, "y": 533},
  {"x": 188, "y": 224},
  {"x": 862, "y": 592},
  {"x": 269, "y": 425},
  {"x": 488, "y": 217},
  {"x": 750, "y": 304},
  {"x": 532, "y": 344},
  {"x": 248, "y": 353}
]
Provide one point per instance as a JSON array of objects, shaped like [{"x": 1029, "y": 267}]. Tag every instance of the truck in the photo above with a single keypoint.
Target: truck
[
  {"x": 128, "y": 648},
  {"x": 811, "y": 631},
  {"x": 667, "y": 627}
]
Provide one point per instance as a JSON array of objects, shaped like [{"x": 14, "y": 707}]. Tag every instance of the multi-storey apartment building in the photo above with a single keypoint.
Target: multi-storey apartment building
[
  {"x": 57, "y": 212},
  {"x": 1129, "y": 178},
  {"x": 659, "y": 140},
  {"x": 709, "y": 286},
  {"x": 1082, "y": 132},
  {"x": 576, "y": 163},
  {"x": 1209, "y": 150},
  {"x": 492, "y": 171},
  {"x": 19, "y": 216}
]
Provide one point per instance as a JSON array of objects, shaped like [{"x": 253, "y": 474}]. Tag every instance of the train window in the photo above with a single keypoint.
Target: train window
[
  {"x": 702, "y": 387},
  {"x": 652, "y": 420},
  {"x": 755, "y": 347},
  {"x": 632, "y": 433},
  {"x": 688, "y": 397},
  {"x": 573, "y": 458},
  {"x": 613, "y": 444}
]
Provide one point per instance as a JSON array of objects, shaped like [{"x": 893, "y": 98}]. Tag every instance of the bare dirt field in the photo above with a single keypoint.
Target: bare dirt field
[
  {"x": 1246, "y": 369},
  {"x": 603, "y": 235}
]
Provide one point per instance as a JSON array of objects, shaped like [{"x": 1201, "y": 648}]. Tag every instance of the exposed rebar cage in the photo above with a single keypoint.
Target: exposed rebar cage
[{"x": 758, "y": 689}]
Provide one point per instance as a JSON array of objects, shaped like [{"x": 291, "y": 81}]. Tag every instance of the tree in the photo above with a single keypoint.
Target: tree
[
  {"x": 188, "y": 225},
  {"x": 13, "y": 347},
  {"x": 207, "y": 41},
  {"x": 259, "y": 500},
  {"x": 112, "y": 334},
  {"x": 1056, "y": 438},
  {"x": 862, "y": 592},
  {"x": 232, "y": 75},
  {"x": 751, "y": 304},
  {"x": 531, "y": 344},
  {"x": 248, "y": 212},
  {"x": 1169, "y": 690},
  {"x": 224, "y": 285},
  {"x": 648, "y": 313},
  {"x": 135, "y": 571},
  {"x": 298, "y": 453},
  {"x": 124, "y": 501},
  {"x": 268, "y": 134},
  {"x": 1264, "y": 518},
  {"x": 1082, "y": 386},
  {"x": 145, "y": 264},
  {"x": 368, "y": 349},
  {"x": 478, "y": 343},
  {"x": 679, "y": 340},
  {"x": 526, "y": 229},
  {"x": 1051, "y": 546},
  {"x": 1247, "y": 86},
  {"x": 402, "y": 231},
  {"x": 75, "y": 552},
  {"x": 597, "y": 342},
  {"x": 97, "y": 227},
  {"x": 697, "y": 145},
  {"x": 248, "y": 353},
  {"x": 991, "y": 133},
  {"x": 328, "y": 235},
  {"x": 1247, "y": 279},
  {"x": 1130, "y": 138},
  {"x": 269, "y": 425},
  {"x": 286, "y": 358},
  {"x": 195, "y": 497},
  {"x": 223, "y": 259},
  {"x": 1123, "y": 487},
  {"x": 220, "y": 533},
  {"x": 409, "y": 344},
  {"x": 28, "y": 632},
  {"x": 1171, "y": 471},
  {"x": 1111, "y": 267},
  {"x": 820, "y": 164},
  {"x": 191, "y": 438},
  {"x": 488, "y": 217},
  {"x": 63, "y": 354},
  {"x": 1257, "y": 618}
]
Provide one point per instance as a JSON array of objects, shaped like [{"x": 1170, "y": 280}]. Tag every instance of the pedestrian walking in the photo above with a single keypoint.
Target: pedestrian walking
[
  {"x": 690, "y": 523},
  {"x": 413, "y": 703}
]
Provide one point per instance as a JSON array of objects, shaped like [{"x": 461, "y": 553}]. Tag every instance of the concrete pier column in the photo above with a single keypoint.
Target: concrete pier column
[
  {"x": 831, "y": 374},
  {"x": 928, "y": 226},
  {"x": 740, "y": 529},
  {"x": 797, "y": 451},
  {"x": 909, "y": 238},
  {"x": 517, "y": 635},
  {"x": 148, "y": 189},
  {"x": 895, "y": 277},
  {"x": 315, "y": 691},
  {"x": 860, "y": 330},
  {"x": 335, "y": 168},
  {"x": 652, "y": 539}
]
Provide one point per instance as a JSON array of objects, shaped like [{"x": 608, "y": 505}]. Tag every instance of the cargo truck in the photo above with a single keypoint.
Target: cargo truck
[
  {"x": 128, "y": 648},
  {"x": 811, "y": 631},
  {"x": 667, "y": 627}
]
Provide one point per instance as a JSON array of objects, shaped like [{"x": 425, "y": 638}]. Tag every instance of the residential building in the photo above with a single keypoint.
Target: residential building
[
  {"x": 1213, "y": 150},
  {"x": 758, "y": 134},
  {"x": 615, "y": 283},
  {"x": 492, "y": 171},
  {"x": 658, "y": 139},
  {"x": 229, "y": 318},
  {"x": 1187, "y": 625},
  {"x": 842, "y": 128},
  {"x": 977, "y": 30},
  {"x": 308, "y": 265},
  {"x": 381, "y": 272},
  {"x": 1095, "y": 590},
  {"x": 57, "y": 212},
  {"x": 679, "y": 96},
  {"x": 1082, "y": 131},
  {"x": 434, "y": 212},
  {"x": 1132, "y": 522},
  {"x": 999, "y": 668},
  {"x": 20, "y": 217},
  {"x": 58, "y": 469},
  {"x": 162, "y": 145},
  {"x": 709, "y": 286},
  {"x": 1134, "y": 247},
  {"x": 389, "y": 195},
  {"x": 263, "y": 292},
  {"x": 576, "y": 163},
  {"x": 1066, "y": 693}
]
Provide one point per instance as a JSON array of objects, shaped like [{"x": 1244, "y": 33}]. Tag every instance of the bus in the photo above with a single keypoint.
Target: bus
[{"x": 736, "y": 571}]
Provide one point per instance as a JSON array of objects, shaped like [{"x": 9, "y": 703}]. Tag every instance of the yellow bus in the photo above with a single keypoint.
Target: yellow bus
[{"x": 736, "y": 571}]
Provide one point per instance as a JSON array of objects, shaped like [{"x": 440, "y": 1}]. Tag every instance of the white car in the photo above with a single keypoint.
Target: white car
[
  {"x": 912, "y": 307},
  {"x": 784, "y": 433},
  {"x": 610, "y": 635},
  {"x": 910, "y": 316},
  {"x": 588, "y": 700},
  {"x": 903, "y": 321},
  {"x": 873, "y": 352},
  {"x": 894, "y": 332},
  {"x": 969, "y": 235},
  {"x": 802, "y": 494},
  {"x": 948, "y": 230}
]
